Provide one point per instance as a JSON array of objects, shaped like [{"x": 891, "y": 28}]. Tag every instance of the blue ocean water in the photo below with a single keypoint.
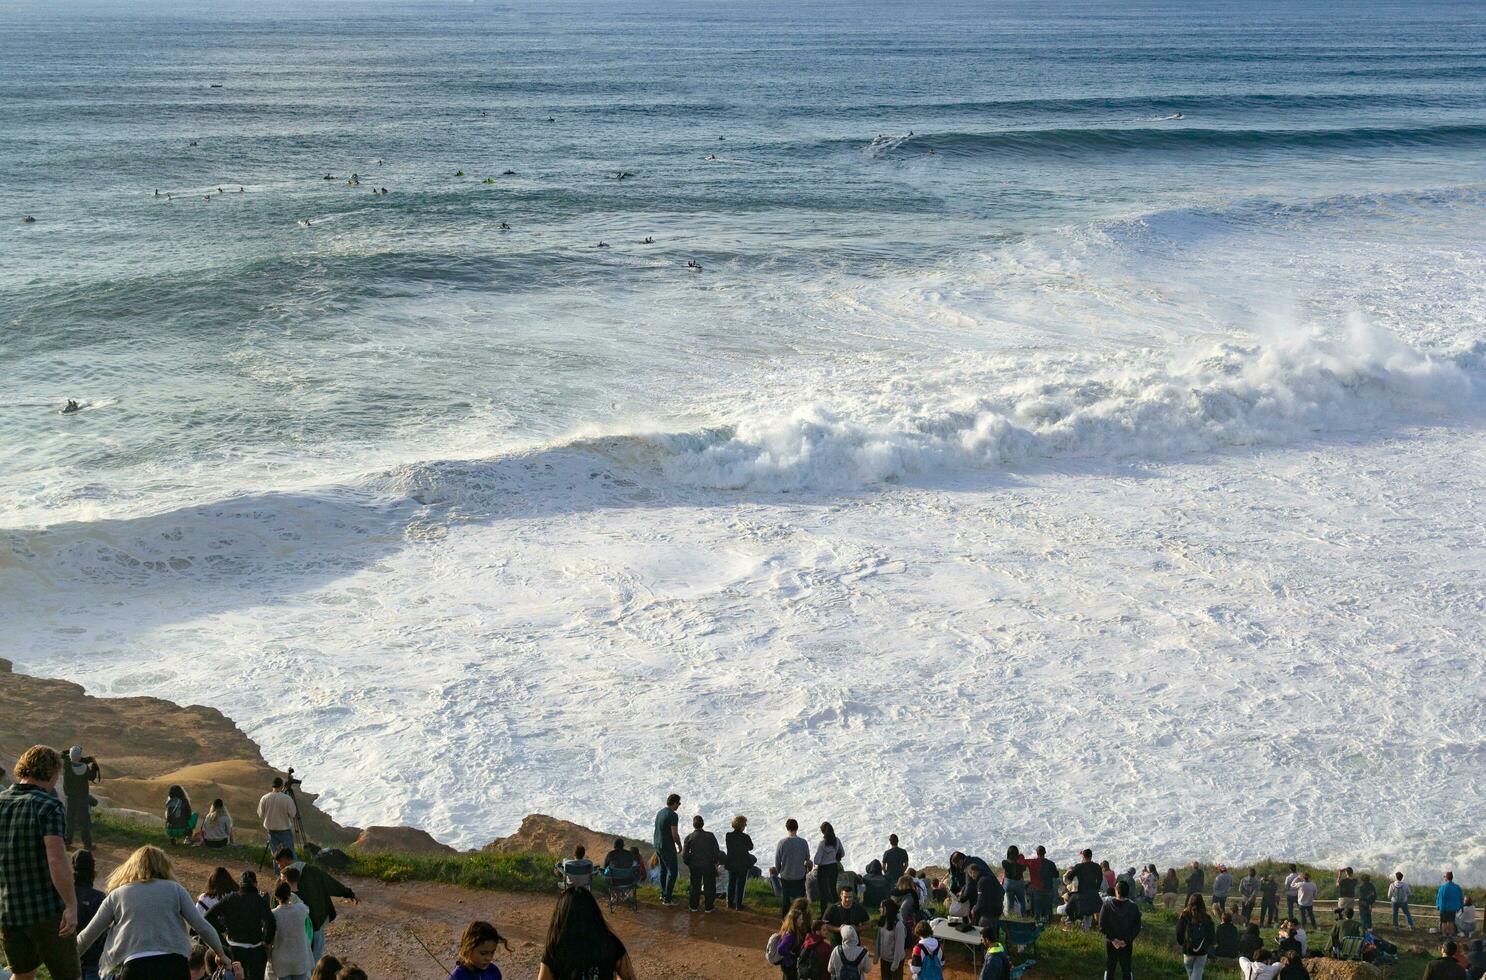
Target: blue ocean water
[{"x": 935, "y": 237}]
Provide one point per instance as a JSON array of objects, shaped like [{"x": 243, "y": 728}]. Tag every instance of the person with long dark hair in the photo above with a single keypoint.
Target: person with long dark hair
[
  {"x": 1015, "y": 870},
  {"x": 247, "y": 926},
  {"x": 580, "y": 945},
  {"x": 180, "y": 819},
  {"x": 829, "y": 854},
  {"x": 892, "y": 941},
  {"x": 218, "y": 887},
  {"x": 1195, "y": 934}
]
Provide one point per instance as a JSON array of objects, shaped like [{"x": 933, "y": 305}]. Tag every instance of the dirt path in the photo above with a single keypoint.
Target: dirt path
[{"x": 666, "y": 944}]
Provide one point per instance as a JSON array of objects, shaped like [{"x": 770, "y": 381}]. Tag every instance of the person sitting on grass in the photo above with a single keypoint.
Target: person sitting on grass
[
  {"x": 477, "y": 949},
  {"x": 1447, "y": 967},
  {"x": 1225, "y": 938},
  {"x": 1250, "y": 942},
  {"x": 1261, "y": 967},
  {"x": 1292, "y": 967},
  {"x": 1345, "y": 928},
  {"x": 997, "y": 965},
  {"x": 180, "y": 819}
]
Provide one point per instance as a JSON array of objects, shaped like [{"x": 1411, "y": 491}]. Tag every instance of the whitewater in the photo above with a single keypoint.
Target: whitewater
[{"x": 1074, "y": 436}]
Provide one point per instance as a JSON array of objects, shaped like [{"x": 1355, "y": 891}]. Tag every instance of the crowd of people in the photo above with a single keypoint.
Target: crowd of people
[{"x": 836, "y": 924}]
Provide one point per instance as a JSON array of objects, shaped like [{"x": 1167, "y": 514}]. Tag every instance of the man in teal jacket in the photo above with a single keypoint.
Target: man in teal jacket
[{"x": 1448, "y": 899}]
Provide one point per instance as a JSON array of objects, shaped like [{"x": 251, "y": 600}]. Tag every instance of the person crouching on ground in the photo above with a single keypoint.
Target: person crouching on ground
[{"x": 477, "y": 949}]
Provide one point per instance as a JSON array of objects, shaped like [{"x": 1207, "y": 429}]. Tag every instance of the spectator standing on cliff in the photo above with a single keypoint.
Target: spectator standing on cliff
[
  {"x": 1269, "y": 900},
  {"x": 667, "y": 844},
  {"x": 1346, "y": 890},
  {"x": 1398, "y": 897},
  {"x": 79, "y": 773},
  {"x": 701, "y": 855},
  {"x": 1195, "y": 934},
  {"x": 1015, "y": 870},
  {"x": 791, "y": 864},
  {"x": 316, "y": 891},
  {"x": 1305, "y": 900},
  {"x": 1292, "y": 884},
  {"x": 1086, "y": 878},
  {"x": 1042, "y": 882},
  {"x": 277, "y": 810},
  {"x": 1222, "y": 888},
  {"x": 1367, "y": 897},
  {"x": 1119, "y": 920},
  {"x": 1448, "y": 901},
  {"x": 1197, "y": 880},
  {"x": 739, "y": 861},
  {"x": 986, "y": 898},
  {"x": 1248, "y": 893},
  {"x": 291, "y": 954},
  {"x": 829, "y": 854},
  {"x": 38, "y": 900},
  {"x": 894, "y": 859}
]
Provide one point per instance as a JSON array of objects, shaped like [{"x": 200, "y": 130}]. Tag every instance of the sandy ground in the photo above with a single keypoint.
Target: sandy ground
[{"x": 382, "y": 933}]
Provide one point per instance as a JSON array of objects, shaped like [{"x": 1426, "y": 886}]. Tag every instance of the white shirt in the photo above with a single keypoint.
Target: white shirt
[
  {"x": 1305, "y": 893},
  {"x": 277, "y": 811}
]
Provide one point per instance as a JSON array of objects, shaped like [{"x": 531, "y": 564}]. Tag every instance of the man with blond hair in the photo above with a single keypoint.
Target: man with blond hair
[{"x": 38, "y": 904}]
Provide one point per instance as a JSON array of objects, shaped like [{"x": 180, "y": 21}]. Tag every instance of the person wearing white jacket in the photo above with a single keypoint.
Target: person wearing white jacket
[
  {"x": 290, "y": 956},
  {"x": 1398, "y": 897},
  {"x": 1260, "y": 968}
]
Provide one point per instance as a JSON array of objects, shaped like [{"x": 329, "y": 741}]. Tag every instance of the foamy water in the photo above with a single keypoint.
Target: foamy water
[{"x": 1099, "y": 478}]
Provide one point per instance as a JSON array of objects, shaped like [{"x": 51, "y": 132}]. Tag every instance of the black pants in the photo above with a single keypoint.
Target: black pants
[
  {"x": 702, "y": 886},
  {"x": 737, "y": 884},
  {"x": 169, "y": 967},
  {"x": 1307, "y": 913},
  {"x": 826, "y": 876},
  {"x": 1269, "y": 911},
  {"x": 254, "y": 960},
  {"x": 789, "y": 890},
  {"x": 1118, "y": 958}
]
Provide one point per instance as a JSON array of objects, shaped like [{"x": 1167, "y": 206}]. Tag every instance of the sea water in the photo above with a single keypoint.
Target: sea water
[{"x": 1073, "y": 435}]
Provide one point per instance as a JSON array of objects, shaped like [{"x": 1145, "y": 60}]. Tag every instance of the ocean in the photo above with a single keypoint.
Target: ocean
[{"x": 1072, "y": 435}]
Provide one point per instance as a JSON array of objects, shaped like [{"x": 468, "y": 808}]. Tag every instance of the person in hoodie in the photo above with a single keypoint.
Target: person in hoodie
[
  {"x": 997, "y": 965},
  {"x": 892, "y": 941},
  {"x": 1222, "y": 888},
  {"x": 1195, "y": 934},
  {"x": 1119, "y": 920},
  {"x": 927, "y": 959},
  {"x": 986, "y": 896},
  {"x": 701, "y": 854},
  {"x": 290, "y": 953},
  {"x": 1398, "y": 897},
  {"x": 1448, "y": 901},
  {"x": 1475, "y": 964},
  {"x": 875, "y": 886},
  {"x": 1261, "y": 967},
  {"x": 850, "y": 959},
  {"x": 246, "y": 925},
  {"x": 1250, "y": 942},
  {"x": 815, "y": 955}
]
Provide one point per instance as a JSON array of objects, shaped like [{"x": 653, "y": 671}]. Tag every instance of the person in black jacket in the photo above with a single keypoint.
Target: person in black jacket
[
  {"x": 701, "y": 855},
  {"x": 1367, "y": 897},
  {"x": 894, "y": 859},
  {"x": 1119, "y": 920},
  {"x": 246, "y": 925},
  {"x": 739, "y": 861},
  {"x": 88, "y": 901},
  {"x": 1250, "y": 942},
  {"x": 1196, "y": 880},
  {"x": 987, "y": 899},
  {"x": 1195, "y": 934},
  {"x": 1085, "y": 877}
]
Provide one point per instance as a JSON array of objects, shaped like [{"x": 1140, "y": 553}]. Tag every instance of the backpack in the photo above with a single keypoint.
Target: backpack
[
  {"x": 931, "y": 965},
  {"x": 852, "y": 969},
  {"x": 771, "y": 951},
  {"x": 809, "y": 963},
  {"x": 334, "y": 859}
]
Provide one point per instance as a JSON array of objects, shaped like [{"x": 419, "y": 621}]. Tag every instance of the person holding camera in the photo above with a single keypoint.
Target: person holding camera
[{"x": 79, "y": 772}]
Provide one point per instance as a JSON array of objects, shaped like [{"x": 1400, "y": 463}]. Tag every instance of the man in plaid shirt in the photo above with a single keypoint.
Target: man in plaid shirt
[{"x": 38, "y": 904}]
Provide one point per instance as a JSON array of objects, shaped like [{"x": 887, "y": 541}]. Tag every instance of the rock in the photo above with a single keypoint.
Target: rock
[
  {"x": 1323, "y": 968},
  {"x": 403, "y": 840},
  {"x": 132, "y": 816},
  {"x": 547, "y": 835}
]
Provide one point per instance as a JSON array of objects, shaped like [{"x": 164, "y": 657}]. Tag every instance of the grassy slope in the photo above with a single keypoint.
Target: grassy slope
[{"x": 1064, "y": 955}]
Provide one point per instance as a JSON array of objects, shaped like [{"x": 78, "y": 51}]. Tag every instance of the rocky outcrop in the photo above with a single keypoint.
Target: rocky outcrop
[
  {"x": 402, "y": 840},
  {"x": 548, "y": 835},
  {"x": 145, "y": 745}
]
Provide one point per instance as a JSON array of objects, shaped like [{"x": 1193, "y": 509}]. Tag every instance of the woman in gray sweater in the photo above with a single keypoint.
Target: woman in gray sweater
[{"x": 146, "y": 914}]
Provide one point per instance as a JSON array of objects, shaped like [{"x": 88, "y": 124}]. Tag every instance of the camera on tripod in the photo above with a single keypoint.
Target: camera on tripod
[{"x": 291, "y": 782}]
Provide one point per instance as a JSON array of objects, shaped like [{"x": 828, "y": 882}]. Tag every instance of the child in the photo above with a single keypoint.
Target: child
[
  {"x": 927, "y": 961},
  {"x": 477, "y": 948},
  {"x": 815, "y": 955}
]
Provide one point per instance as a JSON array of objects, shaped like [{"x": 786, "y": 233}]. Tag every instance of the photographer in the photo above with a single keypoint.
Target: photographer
[
  {"x": 277, "y": 810},
  {"x": 79, "y": 772}
]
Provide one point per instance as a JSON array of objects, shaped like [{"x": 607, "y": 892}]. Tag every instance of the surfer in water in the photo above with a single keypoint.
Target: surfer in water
[
  {"x": 647, "y": 240},
  {"x": 304, "y": 222},
  {"x": 694, "y": 265},
  {"x": 504, "y": 226},
  {"x": 71, "y": 407},
  {"x": 28, "y": 220},
  {"x": 602, "y": 245}
]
